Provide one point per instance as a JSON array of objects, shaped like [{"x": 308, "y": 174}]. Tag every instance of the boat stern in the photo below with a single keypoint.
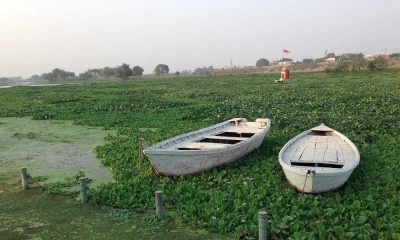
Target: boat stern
[{"x": 264, "y": 122}]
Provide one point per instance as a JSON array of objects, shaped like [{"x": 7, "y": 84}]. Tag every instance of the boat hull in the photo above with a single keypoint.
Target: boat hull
[
  {"x": 317, "y": 183},
  {"x": 318, "y": 160},
  {"x": 183, "y": 163},
  {"x": 175, "y": 157}
]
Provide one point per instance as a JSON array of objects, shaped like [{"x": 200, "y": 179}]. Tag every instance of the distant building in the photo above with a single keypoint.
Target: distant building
[
  {"x": 369, "y": 57},
  {"x": 330, "y": 60},
  {"x": 285, "y": 63}
]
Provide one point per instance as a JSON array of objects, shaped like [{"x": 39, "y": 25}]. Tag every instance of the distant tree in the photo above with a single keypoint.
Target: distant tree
[
  {"x": 342, "y": 66},
  {"x": 358, "y": 62},
  {"x": 123, "y": 71},
  {"x": 161, "y": 69},
  {"x": 48, "y": 76},
  {"x": 186, "y": 72},
  {"x": 286, "y": 60},
  {"x": 198, "y": 71},
  {"x": 36, "y": 77},
  {"x": 85, "y": 75},
  {"x": 346, "y": 56},
  {"x": 351, "y": 56},
  {"x": 330, "y": 55},
  {"x": 71, "y": 75},
  {"x": 177, "y": 73},
  {"x": 95, "y": 72},
  {"x": 394, "y": 55},
  {"x": 307, "y": 60},
  {"x": 318, "y": 60},
  {"x": 4, "y": 79},
  {"x": 204, "y": 71},
  {"x": 378, "y": 64},
  {"x": 137, "y": 71},
  {"x": 328, "y": 70},
  {"x": 381, "y": 63},
  {"x": 91, "y": 73},
  {"x": 262, "y": 62},
  {"x": 61, "y": 74},
  {"x": 371, "y": 65},
  {"x": 106, "y": 72},
  {"x": 58, "y": 74}
]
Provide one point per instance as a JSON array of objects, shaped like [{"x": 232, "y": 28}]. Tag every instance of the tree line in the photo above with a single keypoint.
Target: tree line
[
  {"x": 357, "y": 62},
  {"x": 345, "y": 62},
  {"x": 263, "y": 62},
  {"x": 123, "y": 71}
]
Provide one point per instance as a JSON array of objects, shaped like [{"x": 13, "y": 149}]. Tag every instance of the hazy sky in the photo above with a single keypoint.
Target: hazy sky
[{"x": 37, "y": 36}]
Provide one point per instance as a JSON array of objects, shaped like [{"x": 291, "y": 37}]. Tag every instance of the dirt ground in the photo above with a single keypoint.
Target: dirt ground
[{"x": 31, "y": 215}]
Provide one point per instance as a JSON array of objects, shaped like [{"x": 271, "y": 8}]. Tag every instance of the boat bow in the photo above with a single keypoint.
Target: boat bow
[{"x": 143, "y": 144}]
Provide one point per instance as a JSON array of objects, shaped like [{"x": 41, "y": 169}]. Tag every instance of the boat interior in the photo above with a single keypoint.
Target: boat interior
[
  {"x": 229, "y": 133},
  {"x": 319, "y": 149},
  {"x": 215, "y": 141}
]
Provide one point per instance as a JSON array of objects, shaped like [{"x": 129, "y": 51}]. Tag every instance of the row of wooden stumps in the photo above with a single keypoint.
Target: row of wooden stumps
[
  {"x": 82, "y": 184},
  {"x": 262, "y": 215},
  {"x": 159, "y": 199}
]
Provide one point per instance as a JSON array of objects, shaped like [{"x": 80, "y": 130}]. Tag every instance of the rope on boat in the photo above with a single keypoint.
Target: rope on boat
[
  {"x": 140, "y": 154},
  {"x": 309, "y": 172}
]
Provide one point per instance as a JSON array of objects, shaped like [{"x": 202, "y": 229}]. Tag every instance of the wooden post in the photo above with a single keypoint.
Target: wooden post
[
  {"x": 82, "y": 183},
  {"x": 159, "y": 205},
  {"x": 262, "y": 225},
  {"x": 24, "y": 177}
]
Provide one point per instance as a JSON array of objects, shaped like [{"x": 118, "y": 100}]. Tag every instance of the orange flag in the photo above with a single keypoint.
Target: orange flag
[{"x": 286, "y": 51}]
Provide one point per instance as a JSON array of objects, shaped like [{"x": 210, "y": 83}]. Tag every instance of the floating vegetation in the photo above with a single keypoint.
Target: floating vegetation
[{"x": 363, "y": 106}]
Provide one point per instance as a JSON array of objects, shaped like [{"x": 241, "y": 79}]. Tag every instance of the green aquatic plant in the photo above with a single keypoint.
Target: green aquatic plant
[{"x": 363, "y": 106}]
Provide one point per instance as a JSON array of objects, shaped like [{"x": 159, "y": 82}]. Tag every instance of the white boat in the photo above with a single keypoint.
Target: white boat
[
  {"x": 207, "y": 148},
  {"x": 318, "y": 160}
]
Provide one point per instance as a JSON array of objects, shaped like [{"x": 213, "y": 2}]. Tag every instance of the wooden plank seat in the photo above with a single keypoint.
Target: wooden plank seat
[
  {"x": 204, "y": 145},
  {"x": 227, "y": 138},
  {"x": 317, "y": 155},
  {"x": 319, "y": 150},
  {"x": 317, "y": 162},
  {"x": 243, "y": 130}
]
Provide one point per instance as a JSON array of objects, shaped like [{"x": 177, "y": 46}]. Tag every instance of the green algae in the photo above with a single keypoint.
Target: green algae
[{"x": 54, "y": 149}]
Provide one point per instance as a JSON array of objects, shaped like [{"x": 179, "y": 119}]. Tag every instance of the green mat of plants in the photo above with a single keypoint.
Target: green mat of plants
[{"x": 363, "y": 106}]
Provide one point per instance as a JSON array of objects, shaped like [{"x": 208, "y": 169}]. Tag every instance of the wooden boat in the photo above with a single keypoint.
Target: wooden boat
[
  {"x": 318, "y": 160},
  {"x": 204, "y": 149}
]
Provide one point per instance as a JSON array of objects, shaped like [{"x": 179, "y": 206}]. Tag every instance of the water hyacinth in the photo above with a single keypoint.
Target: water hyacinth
[{"x": 363, "y": 106}]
